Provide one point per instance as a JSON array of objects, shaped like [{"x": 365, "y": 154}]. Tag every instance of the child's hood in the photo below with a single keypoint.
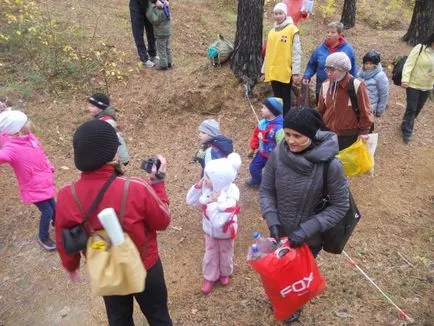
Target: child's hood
[
  {"x": 223, "y": 171},
  {"x": 264, "y": 123},
  {"x": 108, "y": 111},
  {"x": 223, "y": 143}
]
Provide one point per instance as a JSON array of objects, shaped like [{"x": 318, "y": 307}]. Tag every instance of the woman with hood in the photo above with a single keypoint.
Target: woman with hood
[
  {"x": 292, "y": 183},
  {"x": 282, "y": 62},
  {"x": 334, "y": 42}
]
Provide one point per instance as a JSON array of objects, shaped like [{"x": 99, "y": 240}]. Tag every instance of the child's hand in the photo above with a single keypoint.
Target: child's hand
[
  {"x": 159, "y": 4},
  {"x": 250, "y": 153},
  {"x": 214, "y": 196}
]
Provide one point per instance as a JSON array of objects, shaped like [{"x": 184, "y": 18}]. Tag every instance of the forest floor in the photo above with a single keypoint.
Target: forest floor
[{"x": 159, "y": 113}]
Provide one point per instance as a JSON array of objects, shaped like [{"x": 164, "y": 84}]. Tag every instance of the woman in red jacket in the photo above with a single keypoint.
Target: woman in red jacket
[{"x": 95, "y": 154}]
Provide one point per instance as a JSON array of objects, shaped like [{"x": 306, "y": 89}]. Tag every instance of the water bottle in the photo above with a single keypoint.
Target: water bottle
[
  {"x": 255, "y": 253},
  {"x": 265, "y": 245}
]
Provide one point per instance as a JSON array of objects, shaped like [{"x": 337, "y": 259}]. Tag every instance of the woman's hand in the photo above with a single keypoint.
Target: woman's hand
[
  {"x": 297, "y": 238},
  {"x": 275, "y": 233},
  {"x": 404, "y": 85},
  {"x": 74, "y": 276},
  {"x": 162, "y": 170},
  {"x": 305, "y": 81}
]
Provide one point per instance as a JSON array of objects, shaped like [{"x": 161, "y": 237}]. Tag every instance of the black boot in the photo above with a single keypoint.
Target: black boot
[{"x": 295, "y": 316}]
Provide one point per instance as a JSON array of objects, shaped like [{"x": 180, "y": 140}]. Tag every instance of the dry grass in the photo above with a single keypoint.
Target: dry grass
[{"x": 159, "y": 114}]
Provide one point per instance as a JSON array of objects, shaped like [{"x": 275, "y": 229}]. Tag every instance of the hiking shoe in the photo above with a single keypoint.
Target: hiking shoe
[
  {"x": 169, "y": 65},
  {"x": 148, "y": 64},
  {"x": 224, "y": 280},
  {"x": 406, "y": 139},
  {"x": 155, "y": 59},
  {"x": 251, "y": 184},
  {"x": 160, "y": 68},
  {"x": 295, "y": 316},
  {"x": 47, "y": 244},
  {"x": 207, "y": 287}
]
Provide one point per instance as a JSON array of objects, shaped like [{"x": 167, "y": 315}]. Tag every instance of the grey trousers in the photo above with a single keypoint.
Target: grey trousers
[{"x": 164, "y": 51}]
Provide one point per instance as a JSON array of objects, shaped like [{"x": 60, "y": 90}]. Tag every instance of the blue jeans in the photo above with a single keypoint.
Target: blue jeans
[
  {"x": 256, "y": 167},
  {"x": 415, "y": 101},
  {"x": 48, "y": 212}
]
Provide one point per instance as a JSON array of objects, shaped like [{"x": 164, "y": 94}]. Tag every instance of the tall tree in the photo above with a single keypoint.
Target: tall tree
[
  {"x": 246, "y": 60},
  {"x": 422, "y": 22},
  {"x": 348, "y": 17}
]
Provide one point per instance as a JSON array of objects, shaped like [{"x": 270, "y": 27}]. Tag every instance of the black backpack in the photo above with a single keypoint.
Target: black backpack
[{"x": 398, "y": 66}]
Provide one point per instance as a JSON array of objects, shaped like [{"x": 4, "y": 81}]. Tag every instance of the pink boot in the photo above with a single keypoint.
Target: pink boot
[
  {"x": 224, "y": 280},
  {"x": 207, "y": 286}
]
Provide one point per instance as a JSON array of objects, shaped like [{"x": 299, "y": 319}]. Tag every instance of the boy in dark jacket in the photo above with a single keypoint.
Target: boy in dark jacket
[
  {"x": 213, "y": 144},
  {"x": 267, "y": 134},
  {"x": 159, "y": 15}
]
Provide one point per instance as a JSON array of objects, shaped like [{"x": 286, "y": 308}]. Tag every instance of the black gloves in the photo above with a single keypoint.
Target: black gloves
[
  {"x": 275, "y": 232},
  {"x": 297, "y": 238}
]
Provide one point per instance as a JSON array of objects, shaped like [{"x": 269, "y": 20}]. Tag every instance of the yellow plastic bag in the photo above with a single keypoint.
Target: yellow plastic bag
[{"x": 356, "y": 159}]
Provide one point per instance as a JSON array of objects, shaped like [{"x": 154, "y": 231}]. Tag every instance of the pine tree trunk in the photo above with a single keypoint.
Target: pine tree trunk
[
  {"x": 246, "y": 60},
  {"x": 422, "y": 22},
  {"x": 349, "y": 14}
]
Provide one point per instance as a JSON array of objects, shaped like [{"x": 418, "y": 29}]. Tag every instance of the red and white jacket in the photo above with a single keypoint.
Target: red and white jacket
[
  {"x": 219, "y": 218},
  {"x": 146, "y": 211}
]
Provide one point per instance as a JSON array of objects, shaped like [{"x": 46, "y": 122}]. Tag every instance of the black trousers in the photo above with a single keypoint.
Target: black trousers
[
  {"x": 346, "y": 141},
  {"x": 152, "y": 302},
  {"x": 139, "y": 23},
  {"x": 282, "y": 90},
  {"x": 415, "y": 101}
]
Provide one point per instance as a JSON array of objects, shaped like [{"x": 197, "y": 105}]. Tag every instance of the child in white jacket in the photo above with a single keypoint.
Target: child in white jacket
[{"x": 218, "y": 196}]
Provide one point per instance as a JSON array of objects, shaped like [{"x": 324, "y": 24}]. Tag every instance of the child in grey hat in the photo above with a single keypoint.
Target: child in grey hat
[{"x": 213, "y": 144}]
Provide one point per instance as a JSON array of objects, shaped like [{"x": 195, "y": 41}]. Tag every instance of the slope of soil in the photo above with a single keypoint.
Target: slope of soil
[{"x": 160, "y": 113}]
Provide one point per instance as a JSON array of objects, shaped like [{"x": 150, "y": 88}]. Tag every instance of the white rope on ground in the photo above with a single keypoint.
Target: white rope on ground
[
  {"x": 246, "y": 93},
  {"x": 401, "y": 313}
]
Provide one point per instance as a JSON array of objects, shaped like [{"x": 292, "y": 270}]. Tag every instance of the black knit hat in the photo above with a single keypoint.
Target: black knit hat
[
  {"x": 305, "y": 121},
  {"x": 100, "y": 100},
  {"x": 95, "y": 144}
]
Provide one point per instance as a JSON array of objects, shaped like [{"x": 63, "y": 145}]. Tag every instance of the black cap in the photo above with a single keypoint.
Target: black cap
[
  {"x": 95, "y": 144},
  {"x": 305, "y": 121},
  {"x": 100, "y": 100}
]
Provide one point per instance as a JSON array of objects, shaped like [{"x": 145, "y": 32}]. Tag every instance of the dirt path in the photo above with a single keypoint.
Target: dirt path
[{"x": 160, "y": 113}]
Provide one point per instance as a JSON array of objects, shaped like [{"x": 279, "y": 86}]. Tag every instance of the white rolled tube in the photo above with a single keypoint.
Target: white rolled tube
[{"x": 110, "y": 222}]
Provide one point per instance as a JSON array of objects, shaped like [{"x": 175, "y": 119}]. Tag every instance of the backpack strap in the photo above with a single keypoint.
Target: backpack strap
[
  {"x": 124, "y": 200},
  {"x": 353, "y": 86},
  {"x": 325, "y": 170},
  {"x": 94, "y": 204}
]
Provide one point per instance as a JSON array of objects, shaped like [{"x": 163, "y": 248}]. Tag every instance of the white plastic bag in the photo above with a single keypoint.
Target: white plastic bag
[{"x": 372, "y": 143}]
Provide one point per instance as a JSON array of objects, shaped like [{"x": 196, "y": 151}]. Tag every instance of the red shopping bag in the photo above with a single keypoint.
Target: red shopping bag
[{"x": 290, "y": 278}]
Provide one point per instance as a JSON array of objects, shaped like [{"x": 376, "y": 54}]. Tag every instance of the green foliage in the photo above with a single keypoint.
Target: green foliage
[
  {"x": 382, "y": 14},
  {"x": 40, "y": 53}
]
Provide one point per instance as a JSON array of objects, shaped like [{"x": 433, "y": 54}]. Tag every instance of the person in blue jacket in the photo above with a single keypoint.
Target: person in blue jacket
[
  {"x": 334, "y": 42},
  {"x": 376, "y": 81}
]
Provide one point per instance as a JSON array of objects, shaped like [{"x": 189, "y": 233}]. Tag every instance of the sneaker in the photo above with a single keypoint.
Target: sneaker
[
  {"x": 224, "y": 280},
  {"x": 251, "y": 184},
  {"x": 155, "y": 59},
  {"x": 160, "y": 68},
  {"x": 406, "y": 139},
  {"x": 47, "y": 244},
  {"x": 207, "y": 287},
  {"x": 148, "y": 64}
]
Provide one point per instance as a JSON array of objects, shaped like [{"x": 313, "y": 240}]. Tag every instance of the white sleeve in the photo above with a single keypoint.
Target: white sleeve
[{"x": 296, "y": 55}]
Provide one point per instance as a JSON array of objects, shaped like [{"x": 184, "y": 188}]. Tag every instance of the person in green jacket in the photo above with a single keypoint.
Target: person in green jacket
[
  {"x": 418, "y": 80},
  {"x": 159, "y": 15}
]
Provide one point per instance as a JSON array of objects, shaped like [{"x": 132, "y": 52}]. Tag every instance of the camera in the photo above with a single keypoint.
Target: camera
[{"x": 148, "y": 164}]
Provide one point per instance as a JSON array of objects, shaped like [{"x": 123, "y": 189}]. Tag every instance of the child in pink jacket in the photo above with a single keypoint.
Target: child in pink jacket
[
  {"x": 218, "y": 196},
  {"x": 34, "y": 172}
]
